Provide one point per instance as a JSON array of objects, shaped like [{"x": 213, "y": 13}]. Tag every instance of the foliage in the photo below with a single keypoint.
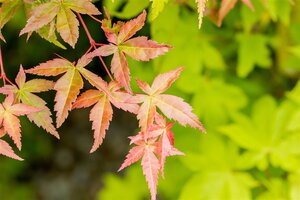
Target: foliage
[
  {"x": 241, "y": 81},
  {"x": 239, "y": 77},
  {"x": 155, "y": 139}
]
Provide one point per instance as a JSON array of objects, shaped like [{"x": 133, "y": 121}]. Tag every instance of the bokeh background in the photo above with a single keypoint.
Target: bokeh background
[{"x": 241, "y": 79}]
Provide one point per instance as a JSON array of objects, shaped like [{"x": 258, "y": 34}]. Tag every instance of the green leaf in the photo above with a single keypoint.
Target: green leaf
[
  {"x": 217, "y": 175},
  {"x": 252, "y": 51},
  {"x": 156, "y": 8},
  {"x": 266, "y": 135}
]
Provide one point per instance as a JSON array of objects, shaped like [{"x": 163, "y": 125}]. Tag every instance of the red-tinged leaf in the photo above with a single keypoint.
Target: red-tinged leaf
[
  {"x": 82, "y": 6},
  {"x": 142, "y": 49},
  {"x": 165, "y": 149},
  {"x": 133, "y": 156},
  {"x": 67, "y": 26},
  {"x": 21, "y": 77},
  {"x": 2, "y": 131},
  {"x": 24, "y": 94},
  {"x": 22, "y": 109},
  {"x": 43, "y": 118},
  {"x": 163, "y": 81},
  {"x": 105, "y": 50},
  {"x": 131, "y": 27},
  {"x": 41, "y": 16},
  {"x": 12, "y": 126},
  {"x": 144, "y": 86},
  {"x": 38, "y": 85},
  {"x": 87, "y": 99},
  {"x": 139, "y": 98},
  {"x": 151, "y": 167},
  {"x": 121, "y": 99},
  {"x": 8, "y": 101},
  {"x": 201, "y": 4},
  {"x": 226, "y": 6},
  {"x": 101, "y": 115},
  {"x": 146, "y": 114},
  {"x": 8, "y": 89},
  {"x": 160, "y": 120},
  {"x": 68, "y": 88},
  {"x": 110, "y": 32},
  {"x": 84, "y": 61},
  {"x": 94, "y": 80},
  {"x": 175, "y": 108},
  {"x": 119, "y": 68},
  {"x": 6, "y": 150},
  {"x": 51, "y": 68}
]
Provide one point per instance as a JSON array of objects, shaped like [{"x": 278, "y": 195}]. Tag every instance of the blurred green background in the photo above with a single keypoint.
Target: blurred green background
[{"x": 241, "y": 79}]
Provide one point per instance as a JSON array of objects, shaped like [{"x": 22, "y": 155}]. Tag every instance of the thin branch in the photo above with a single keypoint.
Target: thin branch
[
  {"x": 93, "y": 44},
  {"x": 3, "y": 75},
  {"x": 94, "y": 18}
]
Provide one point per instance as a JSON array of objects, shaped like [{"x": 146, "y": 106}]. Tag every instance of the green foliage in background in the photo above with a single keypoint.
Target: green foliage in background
[{"x": 241, "y": 79}]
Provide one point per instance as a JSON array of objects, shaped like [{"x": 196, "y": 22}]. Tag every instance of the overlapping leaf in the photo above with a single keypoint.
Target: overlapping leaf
[
  {"x": 9, "y": 120},
  {"x": 139, "y": 48},
  {"x": 24, "y": 93},
  {"x": 150, "y": 163},
  {"x": 6, "y": 150},
  {"x": 102, "y": 112},
  {"x": 63, "y": 12},
  {"x": 171, "y": 106},
  {"x": 69, "y": 85}
]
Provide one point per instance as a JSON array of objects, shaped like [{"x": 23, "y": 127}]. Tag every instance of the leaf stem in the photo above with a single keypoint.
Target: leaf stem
[
  {"x": 93, "y": 44},
  {"x": 3, "y": 75},
  {"x": 94, "y": 18}
]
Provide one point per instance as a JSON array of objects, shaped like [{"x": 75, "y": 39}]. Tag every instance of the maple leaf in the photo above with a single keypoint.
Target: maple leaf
[
  {"x": 101, "y": 113},
  {"x": 69, "y": 85},
  {"x": 24, "y": 93},
  {"x": 227, "y": 5},
  {"x": 63, "y": 11},
  {"x": 145, "y": 150},
  {"x": 165, "y": 144},
  {"x": 148, "y": 146},
  {"x": 9, "y": 113},
  {"x": 139, "y": 48},
  {"x": 171, "y": 106},
  {"x": 201, "y": 4},
  {"x": 6, "y": 150}
]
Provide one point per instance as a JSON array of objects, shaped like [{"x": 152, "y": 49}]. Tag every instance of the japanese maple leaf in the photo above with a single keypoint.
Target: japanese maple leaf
[
  {"x": 9, "y": 113},
  {"x": 138, "y": 48},
  {"x": 6, "y": 150},
  {"x": 24, "y": 93},
  {"x": 201, "y": 4},
  {"x": 227, "y": 5},
  {"x": 165, "y": 144},
  {"x": 69, "y": 85},
  {"x": 171, "y": 106},
  {"x": 63, "y": 11},
  {"x": 150, "y": 163},
  {"x": 101, "y": 113}
]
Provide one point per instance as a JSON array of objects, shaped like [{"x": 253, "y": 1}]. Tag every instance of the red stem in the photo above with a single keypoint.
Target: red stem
[
  {"x": 3, "y": 75},
  {"x": 93, "y": 44},
  {"x": 94, "y": 18}
]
